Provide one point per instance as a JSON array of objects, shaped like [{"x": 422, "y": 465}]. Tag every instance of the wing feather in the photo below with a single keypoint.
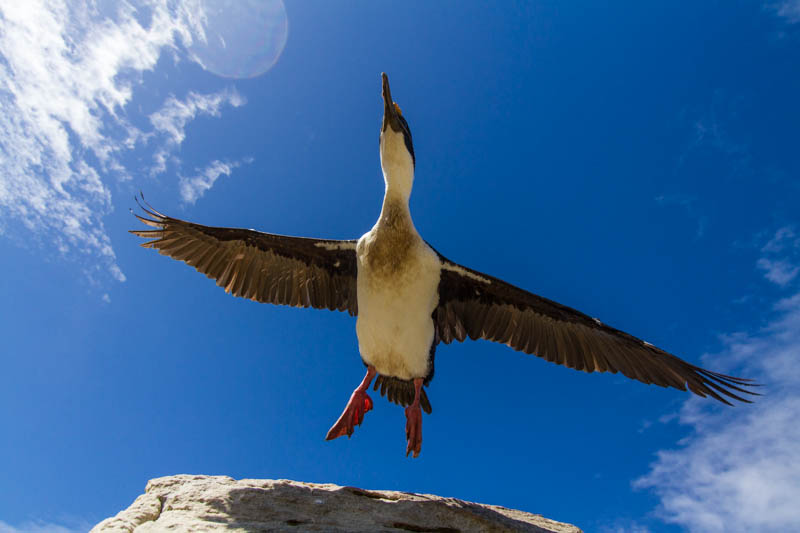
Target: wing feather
[
  {"x": 264, "y": 267},
  {"x": 479, "y": 306}
]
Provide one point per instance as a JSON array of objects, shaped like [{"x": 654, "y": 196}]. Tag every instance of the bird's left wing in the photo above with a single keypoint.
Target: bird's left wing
[
  {"x": 479, "y": 306},
  {"x": 260, "y": 266}
]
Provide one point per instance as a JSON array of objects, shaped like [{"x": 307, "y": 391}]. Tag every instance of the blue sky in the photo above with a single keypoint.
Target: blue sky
[{"x": 635, "y": 161}]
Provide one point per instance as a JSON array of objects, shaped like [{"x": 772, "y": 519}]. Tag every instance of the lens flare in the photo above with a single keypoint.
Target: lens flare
[{"x": 243, "y": 38}]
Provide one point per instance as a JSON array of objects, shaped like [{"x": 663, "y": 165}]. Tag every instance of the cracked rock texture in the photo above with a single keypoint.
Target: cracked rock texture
[{"x": 220, "y": 503}]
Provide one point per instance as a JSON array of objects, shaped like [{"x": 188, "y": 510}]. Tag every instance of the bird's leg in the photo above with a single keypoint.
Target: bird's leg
[
  {"x": 356, "y": 408},
  {"x": 414, "y": 422}
]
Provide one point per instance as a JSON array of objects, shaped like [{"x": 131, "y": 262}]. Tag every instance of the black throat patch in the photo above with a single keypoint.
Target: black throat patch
[{"x": 407, "y": 138}]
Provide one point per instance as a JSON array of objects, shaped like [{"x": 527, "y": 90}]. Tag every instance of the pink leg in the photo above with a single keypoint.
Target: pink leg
[
  {"x": 414, "y": 422},
  {"x": 355, "y": 409}
]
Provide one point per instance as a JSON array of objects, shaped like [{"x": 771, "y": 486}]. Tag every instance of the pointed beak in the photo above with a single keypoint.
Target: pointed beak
[{"x": 390, "y": 112}]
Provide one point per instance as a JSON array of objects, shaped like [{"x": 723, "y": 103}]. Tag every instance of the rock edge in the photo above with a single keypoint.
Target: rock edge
[{"x": 220, "y": 503}]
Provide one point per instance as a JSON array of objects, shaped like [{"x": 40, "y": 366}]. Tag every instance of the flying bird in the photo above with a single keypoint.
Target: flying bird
[{"x": 408, "y": 298}]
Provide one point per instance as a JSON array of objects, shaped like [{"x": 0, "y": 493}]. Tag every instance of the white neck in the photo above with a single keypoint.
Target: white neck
[
  {"x": 395, "y": 200},
  {"x": 398, "y": 184},
  {"x": 397, "y": 165}
]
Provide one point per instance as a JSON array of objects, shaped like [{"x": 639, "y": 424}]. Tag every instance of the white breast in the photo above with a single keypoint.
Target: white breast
[{"x": 397, "y": 294}]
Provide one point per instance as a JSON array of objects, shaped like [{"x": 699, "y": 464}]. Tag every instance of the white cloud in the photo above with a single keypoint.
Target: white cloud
[
  {"x": 709, "y": 131},
  {"x": 781, "y": 270},
  {"x": 788, "y": 9},
  {"x": 41, "y": 527},
  {"x": 739, "y": 470},
  {"x": 170, "y": 121},
  {"x": 714, "y": 133},
  {"x": 625, "y": 526},
  {"x": 66, "y": 73},
  {"x": 160, "y": 162},
  {"x": 689, "y": 204},
  {"x": 783, "y": 239},
  {"x": 174, "y": 114},
  {"x": 193, "y": 188}
]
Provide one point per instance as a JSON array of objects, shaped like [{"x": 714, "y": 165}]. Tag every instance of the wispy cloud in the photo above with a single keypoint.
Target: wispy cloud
[
  {"x": 41, "y": 527},
  {"x": 67, "y": 70},
  {"x": 171, "y": 119},
  {"x": 739, "y": 470},
  {"x": 717, "y": 129},
  {"x": 788, "y": 9},
  {"x": 708, "y": 131},
  {"x": 779, "y": 271},
  {"x": 174, "y": 114},
  {"x": 689, "y": 205},
  {"x": 160, "y": 159},
  {"x": 624, "y": 526},
  {"x": 194, "y": 187},
  {"x": 780, "y": 258},
  {"x": 784, "y": 239}
]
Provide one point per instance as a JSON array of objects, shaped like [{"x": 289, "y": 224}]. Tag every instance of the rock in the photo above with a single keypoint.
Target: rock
[{"x": 220, "y": 503}]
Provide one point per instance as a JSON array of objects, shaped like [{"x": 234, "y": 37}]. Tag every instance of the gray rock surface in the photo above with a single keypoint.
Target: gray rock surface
[{"x": 220, "y": 503}]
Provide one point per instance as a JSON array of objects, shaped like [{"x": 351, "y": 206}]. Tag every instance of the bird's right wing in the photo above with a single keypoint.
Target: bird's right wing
[
  {"x": 479, "y": 306},
  {"x": 260, "y": 266}
]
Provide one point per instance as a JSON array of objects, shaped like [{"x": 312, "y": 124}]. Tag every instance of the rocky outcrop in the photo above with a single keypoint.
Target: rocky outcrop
[{"x": 219, "y": 503}]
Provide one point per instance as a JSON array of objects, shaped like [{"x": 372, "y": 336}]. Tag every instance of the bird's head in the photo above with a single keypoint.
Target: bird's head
[{"x": 397, "y": 150}]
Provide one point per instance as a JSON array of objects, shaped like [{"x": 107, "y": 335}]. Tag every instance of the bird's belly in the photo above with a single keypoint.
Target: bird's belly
[{"x": 394, "y": 327}]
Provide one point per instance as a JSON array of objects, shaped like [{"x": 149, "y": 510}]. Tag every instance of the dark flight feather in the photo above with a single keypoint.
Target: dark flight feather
[
  {"x": 500, "y": 312},
  {"x": 264, "y": 267}
]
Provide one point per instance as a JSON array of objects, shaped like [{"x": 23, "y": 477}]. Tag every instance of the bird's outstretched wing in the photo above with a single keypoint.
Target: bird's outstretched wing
[
  {"x": 479, "y": 306},
  {"x": 260, "y": 266}
]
